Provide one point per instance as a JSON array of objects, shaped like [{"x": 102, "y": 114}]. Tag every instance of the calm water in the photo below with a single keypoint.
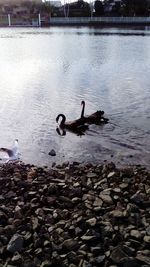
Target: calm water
[{"x": 44, "y": 72}]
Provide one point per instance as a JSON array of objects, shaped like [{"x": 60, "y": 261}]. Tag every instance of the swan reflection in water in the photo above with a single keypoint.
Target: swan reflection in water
[{"x": 62, "y": 132}]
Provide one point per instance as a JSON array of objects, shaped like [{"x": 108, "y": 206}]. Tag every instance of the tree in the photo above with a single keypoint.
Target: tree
[
  {"x": 135, "y": 7},
  {"x": 116, "y": 10},
  {"x": 99, "y": 9},
  {"x": 79, "y": 9}
]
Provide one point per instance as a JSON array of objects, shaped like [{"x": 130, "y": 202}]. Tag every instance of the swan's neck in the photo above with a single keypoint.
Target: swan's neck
[
  {"x": 62, "y": 123},
  {"x": 83, "y": 108}
]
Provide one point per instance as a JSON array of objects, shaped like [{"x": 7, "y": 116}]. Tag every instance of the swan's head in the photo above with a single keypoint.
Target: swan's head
[{"x": 82, "y": 102}]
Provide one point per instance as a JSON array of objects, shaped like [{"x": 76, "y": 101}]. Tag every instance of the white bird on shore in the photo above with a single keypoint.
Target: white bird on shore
[{"x": 12, "y": 154}]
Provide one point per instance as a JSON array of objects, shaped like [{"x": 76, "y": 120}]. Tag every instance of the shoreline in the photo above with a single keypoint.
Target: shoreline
[{"x": 76, "y": 215}]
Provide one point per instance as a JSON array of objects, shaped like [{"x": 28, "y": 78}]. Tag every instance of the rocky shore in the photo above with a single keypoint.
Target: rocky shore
[{"x": 74, "y": 215}]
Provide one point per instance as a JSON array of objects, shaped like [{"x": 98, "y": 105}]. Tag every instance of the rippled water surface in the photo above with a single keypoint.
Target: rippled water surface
[{"x": 44, "y": 72}]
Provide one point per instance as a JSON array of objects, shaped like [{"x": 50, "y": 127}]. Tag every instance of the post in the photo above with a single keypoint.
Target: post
[
  {"x": 9, "y": 20},
  {"x": 39, "y": 20}
]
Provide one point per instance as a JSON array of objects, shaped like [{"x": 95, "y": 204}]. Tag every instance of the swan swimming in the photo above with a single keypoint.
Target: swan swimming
[{"x": 12, "y": 154}]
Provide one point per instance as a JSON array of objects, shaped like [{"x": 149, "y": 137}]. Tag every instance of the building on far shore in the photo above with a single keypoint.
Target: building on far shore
[{"x": 18, "y": 2}]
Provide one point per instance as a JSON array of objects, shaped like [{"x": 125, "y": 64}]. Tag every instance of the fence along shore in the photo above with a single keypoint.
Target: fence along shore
[{"x": 38, "y": 21}]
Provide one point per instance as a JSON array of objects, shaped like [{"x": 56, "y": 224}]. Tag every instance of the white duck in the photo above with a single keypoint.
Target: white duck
[{"x": 12, "y": 154}]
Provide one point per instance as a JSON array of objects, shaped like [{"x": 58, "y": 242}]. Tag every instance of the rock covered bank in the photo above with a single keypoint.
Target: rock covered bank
[{"x": 74, "y": 215}]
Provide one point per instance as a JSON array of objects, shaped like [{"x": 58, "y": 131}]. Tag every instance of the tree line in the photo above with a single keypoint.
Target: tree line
[
  {"x": 122, "y": 8},
  {"x": 82, "y": 8}
]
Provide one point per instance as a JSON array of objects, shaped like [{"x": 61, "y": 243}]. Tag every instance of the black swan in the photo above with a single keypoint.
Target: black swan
[
  {"x": 72, "y": 125},
  {"x": 96, "y": 117}
]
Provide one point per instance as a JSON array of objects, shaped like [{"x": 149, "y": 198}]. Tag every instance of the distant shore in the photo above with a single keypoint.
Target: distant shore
[{"x": 74, "y": 215}]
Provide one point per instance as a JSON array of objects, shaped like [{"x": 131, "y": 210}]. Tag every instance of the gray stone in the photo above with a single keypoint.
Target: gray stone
[
  {"x": 106, "y": 198},
  {"x": 87, "y": 237},
  {"x": 143, "y": 259},
  {"x": 52, "y": 153},
  {"x": 147, "y": 239},
  {"x": 117, "y": 255},
  {"x": 136, "y": 234},
  {"x": 91, "y": 175},
  {"x": 128, "y": 262},
  {"x": 98, "y": 202},
  {"x": 70, "y": 244},
  {"x": 45, "y": 264},
  {"x": 111, "y": 174},
  {"x": 92, "y": 221},
  {"x": 99, "y": 259},
  {"x": 16, "y": 259},
  {"x": 15, "y": 244}
]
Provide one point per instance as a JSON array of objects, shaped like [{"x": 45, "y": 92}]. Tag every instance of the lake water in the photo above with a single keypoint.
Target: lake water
[{"x": 47, "y": 71}]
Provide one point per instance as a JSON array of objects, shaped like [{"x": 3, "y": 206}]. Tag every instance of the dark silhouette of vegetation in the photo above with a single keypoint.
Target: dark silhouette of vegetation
[
  {"x": 99, "y": 8},
  {"x": 79, "y": 9},
  {"x": 116, "y": 10},
  {"x": 135, "y": 7}
]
